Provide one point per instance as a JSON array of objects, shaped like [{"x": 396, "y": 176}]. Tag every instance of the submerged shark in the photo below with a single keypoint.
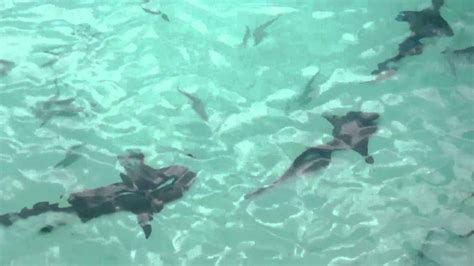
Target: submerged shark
[
  {"x": 426, "y": 23},
  {"x": 259, "y": 33},
  {"x": 71, "y": 156},
  {"x": 307, "y": 95},
  {"x": 461, "y": 56},
  {"x": 351, "y": 132},
  {"x": 151, "y": 190},
  {"x": 46, "y": 110},
  {"x": 197, "y": 104}
]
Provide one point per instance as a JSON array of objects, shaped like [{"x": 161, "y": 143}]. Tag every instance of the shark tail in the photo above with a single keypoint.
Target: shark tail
[
  {"x": 260, "y": 190},
  {"x": 256, "y": 192},
  {"x": 37, "y": 209},
  {"x": 60, "y": 164}
]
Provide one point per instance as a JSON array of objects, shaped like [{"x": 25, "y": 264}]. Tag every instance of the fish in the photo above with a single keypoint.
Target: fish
[
  {"x": 305, "y": 98},
  {"x": 197, "y": 104},
  {"x": 71, "y": 156},
  {"x": 463, "y": 56},
  {"x": 310, "y": 160},
  {"x": 354, "y": 129},
  {"x": 351, "y": 132},
  {"x": 46, "y": 110},
  {"x": 426, "y": 23},
  {"x": 411, "y": 46},
  {"x": 116, "y": 197},
  {"x": 163, "y": 15},
  {"x": 259, "y": 33}
]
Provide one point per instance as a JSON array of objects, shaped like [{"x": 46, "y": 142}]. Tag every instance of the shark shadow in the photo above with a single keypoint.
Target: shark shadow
[
  {"x": 163, "y": 15},
  {"x": 145, "y": 192},
  {"x": 351, "y": 132},
  {"x": 426, "y": 23}
]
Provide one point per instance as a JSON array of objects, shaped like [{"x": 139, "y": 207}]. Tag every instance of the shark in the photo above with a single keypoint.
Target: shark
[
  {"x": 463, "y": 56},
  {"x": 46, "y": 110},
  {"x": 351, "y": 132},
  {"x": 147, "y": 195},
  {"x": 259, "y": 33},
  {"x": 72, "y": 155},
  {"x": 306, "y": 96},
  {"x": 426, "y": 23},
  {"x": 197, "y": 104}
]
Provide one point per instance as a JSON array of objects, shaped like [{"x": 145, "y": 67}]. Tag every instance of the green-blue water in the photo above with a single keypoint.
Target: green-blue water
[{"x": 123, "y": 65}]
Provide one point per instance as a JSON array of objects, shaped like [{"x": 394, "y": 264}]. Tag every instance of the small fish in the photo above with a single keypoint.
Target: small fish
[
  {"x": 197, "y": 105},
  {"x": 305, "y": 98},
  {"x": 259, "y": 33},
  {"x": 71, "y": 156},
  {"x": 52, "y": 107},
  {"x": 163, "y": 15}
]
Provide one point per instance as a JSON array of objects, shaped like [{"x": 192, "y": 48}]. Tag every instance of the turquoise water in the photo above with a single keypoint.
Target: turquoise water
[{"x": 123, "y": 66}]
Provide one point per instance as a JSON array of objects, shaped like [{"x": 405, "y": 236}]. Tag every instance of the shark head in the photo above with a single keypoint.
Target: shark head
[
  {"x": 333, "y": 119},
  {"x": 368, "y": 117},
  {"x": 131, "y": 161}
]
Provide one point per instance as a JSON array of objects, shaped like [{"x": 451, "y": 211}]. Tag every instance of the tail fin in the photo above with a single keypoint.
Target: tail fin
[
  {"x": 37, "y": 209},
  {"x": 260, "y": 190},
  {"x": 255, "y": 193}
]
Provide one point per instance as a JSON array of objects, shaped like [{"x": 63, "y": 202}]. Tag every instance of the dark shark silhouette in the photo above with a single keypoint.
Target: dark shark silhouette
[
  {"x": 460, "y": 56},
  {"x": 351, "y": 132},
  {"x": 46, "y": 110},
  {"x": 259, "y": 33},
  {"x": 426, "y": 23},
  {"x": 71, "y": 156},
  {"x": 197, "y": 104},
  {"x": 306, "y": 96},
  {"x": 151, "y": 189}
]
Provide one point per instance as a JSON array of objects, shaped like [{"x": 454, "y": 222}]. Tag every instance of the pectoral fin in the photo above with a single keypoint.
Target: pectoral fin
[{"x": 144, "y": 222}]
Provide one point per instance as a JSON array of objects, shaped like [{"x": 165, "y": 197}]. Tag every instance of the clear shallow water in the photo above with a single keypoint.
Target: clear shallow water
[{"x": 123, "y": 66}]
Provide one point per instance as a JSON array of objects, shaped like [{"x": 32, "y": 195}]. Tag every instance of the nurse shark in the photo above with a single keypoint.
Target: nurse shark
[
  {"x": 145, "y": 192},
  {"x": 426, "y": 23},
  {"x": 351, "y": 132}
]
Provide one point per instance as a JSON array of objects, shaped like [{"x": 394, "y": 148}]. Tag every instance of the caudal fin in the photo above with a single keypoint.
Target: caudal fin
[
  {"x": 8, "y": 219},
  {"x": 258, "y": 192}
]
